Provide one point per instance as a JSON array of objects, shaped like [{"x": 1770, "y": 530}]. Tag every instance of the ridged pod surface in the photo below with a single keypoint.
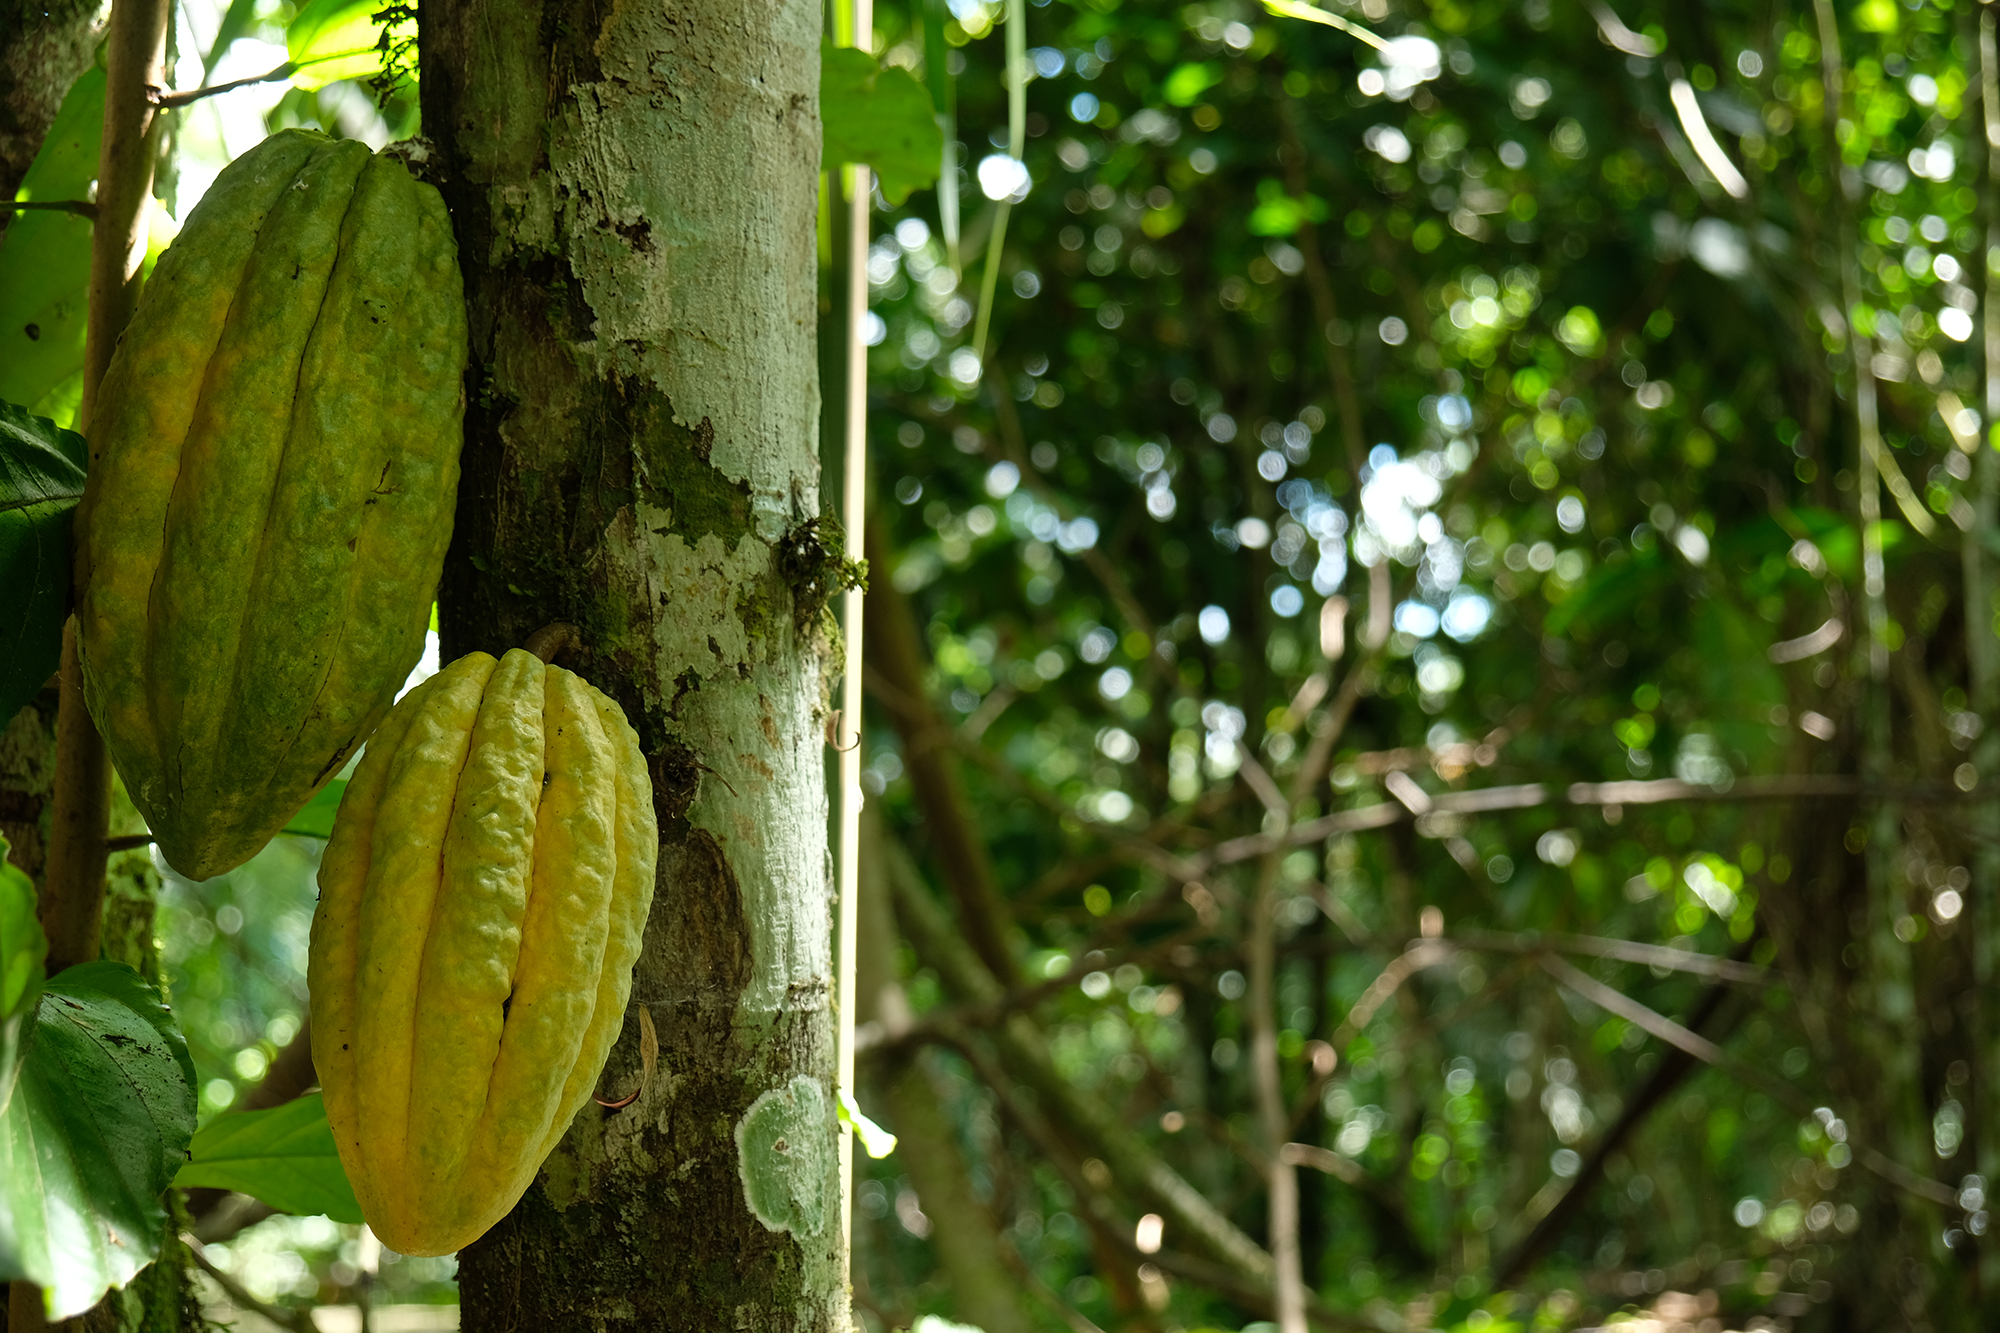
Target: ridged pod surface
[
  {"x": 481, "y": 905},
  {"x": 273, "y": 468}
]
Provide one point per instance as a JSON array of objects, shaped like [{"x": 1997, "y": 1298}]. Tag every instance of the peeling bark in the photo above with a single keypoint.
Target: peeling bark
[{"x": 633, "y": 192}]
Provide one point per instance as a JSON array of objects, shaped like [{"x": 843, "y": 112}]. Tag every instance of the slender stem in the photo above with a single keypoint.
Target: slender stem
[
  {"x": 73, "y": 892},
  {"x": 72, "y": 896},
  {"x": 1017, "y": 120},
  {"x": 1982, "y": 648},
  {"x": 83, "y": 208},
  {"x": 854, "y": 504},
  {"x": 72, "y": 900},
  {"x": 1868, "y": 482},
  {"x": 240, "y": 1295},
  {"x": 1272, "y": 1117},
  {"x": 168, "y": 101},
  {"x": 944, "y": 94}
]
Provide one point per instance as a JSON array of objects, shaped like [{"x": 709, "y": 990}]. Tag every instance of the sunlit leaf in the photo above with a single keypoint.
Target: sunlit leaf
[
  {"x": 41, "y": 480},
  {"x": 331, "y": 40},
  {"x": 45, "y": 255},
  {"x": 23, "y": 948},
  {"x": 880, "y": 117},
  {"x": 315, "y": 817},
  {"x": 1281, "y": 215},
  {"x": 875, "y": 1141},
  {"x": 98, "y": 1124},
  {"x": 284, "y": 1155},
  {"x": 1188, "y": 82}
]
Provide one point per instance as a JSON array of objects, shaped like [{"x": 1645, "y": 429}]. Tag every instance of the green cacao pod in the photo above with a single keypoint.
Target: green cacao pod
[
  {"x": 481, "y": 905},
  {"x": 273, "y": 467}
]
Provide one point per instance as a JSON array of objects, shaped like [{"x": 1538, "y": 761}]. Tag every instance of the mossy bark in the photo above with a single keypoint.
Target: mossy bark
[{"x": 633, "y": 192}]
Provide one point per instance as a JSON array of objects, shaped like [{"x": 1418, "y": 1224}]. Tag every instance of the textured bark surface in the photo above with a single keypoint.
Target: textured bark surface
[
  {"x": 44, "y": 45},
  {"x": 27, "y": 782},
  {"x": 632, "y": 188}
]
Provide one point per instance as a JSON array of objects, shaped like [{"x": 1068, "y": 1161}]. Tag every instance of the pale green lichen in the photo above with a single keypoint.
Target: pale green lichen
[{"x": 784, "y": 1152}]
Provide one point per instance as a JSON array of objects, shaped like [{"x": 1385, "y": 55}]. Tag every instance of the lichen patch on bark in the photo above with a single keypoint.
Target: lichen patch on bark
[{"x": 784, "y": 1144}]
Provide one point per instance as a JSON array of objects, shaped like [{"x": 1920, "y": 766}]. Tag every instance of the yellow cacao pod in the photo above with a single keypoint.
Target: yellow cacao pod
[
  {"x": 273, "y": 467},
  {"x": 481, "y": 905}
]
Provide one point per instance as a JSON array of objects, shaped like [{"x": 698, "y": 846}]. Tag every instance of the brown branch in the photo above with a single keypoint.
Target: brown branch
[
  {"x": 72, "y": 904},
  {"x": 923, "y": 733},
  {"x": 1701, "y": 1048},
  {"x": 83, "y": 208},
  {"x": 1625, "y": 951},
  {"x": 300, "y": 1321},
  {"x": 167, "y": 101},
  {"x": 1530, "y": 795},
  {"x": 895, "y": 652},
  {"x": 1138, "y": 1168},
  {"x": 72, "y": 900},
  {"x": 1671, "y": 1072}
]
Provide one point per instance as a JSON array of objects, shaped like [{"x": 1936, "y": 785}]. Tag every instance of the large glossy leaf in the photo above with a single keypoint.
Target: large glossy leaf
[
  {"x": 880, "y": 117},
  {"x": 45, "y": 255},
  {"x": 98, "y": 1124},
  {"x": 284, "y": 1156},
  {"x": 23, "y": 948},
  {"x": 41, "y": 479},
  {"x": 331, "y": 40}
]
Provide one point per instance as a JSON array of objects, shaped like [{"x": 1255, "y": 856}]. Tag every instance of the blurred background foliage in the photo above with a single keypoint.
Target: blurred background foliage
[
  {"x": 1550, "y": 396},
  {"x": 1444, "y": 641}
]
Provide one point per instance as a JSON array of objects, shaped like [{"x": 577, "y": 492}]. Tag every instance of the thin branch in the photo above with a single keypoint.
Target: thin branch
[
  {"x": 167, "y": 101},
  {"x": 895, "y": 652},
  {"x": 1133, "y": 1162},
  {"x": 1625, "y": 951},
  {"x": 1549, "y": 1212},
  {"x": 1701, "y": 1048},
  {"x": 299, "y": 1321},
  {"x": 83, "y": 208},
  {"x": 1530, "y": 795},
  {"x": 1069, "y": 1314}
]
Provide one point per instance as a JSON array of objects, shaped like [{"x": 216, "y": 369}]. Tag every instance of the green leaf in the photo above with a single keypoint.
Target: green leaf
[
  {"x": 1188, "y": 82},
  {"x": 99, "y": 1123},
  {"x": 284, "y": 1156},
  {"x": 876, "y": 1141},
  {"x": 331, "y": 40},
  {"x": 23, "y": 948},
  {"x": 880, "y": 117},
  {"x": 41, "y": 479},
  {"x": 45, "y": 255},
  {"x": 315, "y": 817},
  {"x": 1278, "y": 214}
]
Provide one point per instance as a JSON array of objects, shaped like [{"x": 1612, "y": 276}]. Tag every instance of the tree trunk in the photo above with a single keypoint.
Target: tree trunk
[
  {"x": 44, "y": 45},
  {"x": 633, "y": 191}
]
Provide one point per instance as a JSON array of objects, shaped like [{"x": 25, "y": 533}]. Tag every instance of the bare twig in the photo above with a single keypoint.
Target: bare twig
[
  {"x": 1701, "y": 1048},
  {"x": 895, "y": 652},
  {"x": 1625, "y": 951},
  {"x": 300, "y": 1321},
  {"x": 83, "y": 208},
  {"x": 1133, "y": 1162},
  {"x": 1550, "y": 1211},
  {"x": 1530, "y": 795},
  {"x": 167, "y": 101}
]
